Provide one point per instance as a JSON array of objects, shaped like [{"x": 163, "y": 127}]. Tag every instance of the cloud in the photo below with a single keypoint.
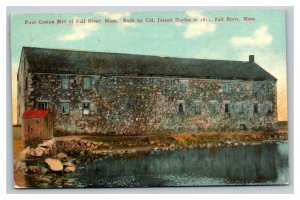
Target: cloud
[
  {"x": 194, "y": 13},
  {"x": 196, "y": 29},
  {"x": 79, "y": 31},
  {"x": 260, "y": 38}
]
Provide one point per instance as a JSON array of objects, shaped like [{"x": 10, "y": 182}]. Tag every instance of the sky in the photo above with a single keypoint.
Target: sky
[{"x": 264, "y": 37}]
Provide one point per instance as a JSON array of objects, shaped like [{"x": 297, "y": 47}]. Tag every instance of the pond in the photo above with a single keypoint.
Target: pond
[{"x": 263, "y": 164}]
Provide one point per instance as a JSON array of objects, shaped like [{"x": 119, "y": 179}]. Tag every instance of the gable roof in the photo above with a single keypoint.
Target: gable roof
[
  {"x": 35, "y": 113},
  {"x": 100, "y": 63}
]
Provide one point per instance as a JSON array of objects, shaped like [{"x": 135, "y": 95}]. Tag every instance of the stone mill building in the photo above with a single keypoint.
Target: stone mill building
[{"x": 125, "y": 94}]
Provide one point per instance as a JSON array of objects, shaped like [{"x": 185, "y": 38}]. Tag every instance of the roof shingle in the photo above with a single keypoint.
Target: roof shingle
[{"x": 99, "y": 63}]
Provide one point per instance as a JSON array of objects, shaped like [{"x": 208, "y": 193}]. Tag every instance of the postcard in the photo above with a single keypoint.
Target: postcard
[{"x": 149, "y": 99}]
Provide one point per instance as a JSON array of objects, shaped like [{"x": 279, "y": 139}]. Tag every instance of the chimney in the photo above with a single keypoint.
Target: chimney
[{"x": 251, "y": 58}]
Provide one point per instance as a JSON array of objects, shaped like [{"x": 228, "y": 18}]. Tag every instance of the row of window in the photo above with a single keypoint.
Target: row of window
[
  {"x": 65, "y": 107},
  {"x": 213, "y": 108},
  {"x": 66, "y": 82},
  {"x": 183, "y": 87}
]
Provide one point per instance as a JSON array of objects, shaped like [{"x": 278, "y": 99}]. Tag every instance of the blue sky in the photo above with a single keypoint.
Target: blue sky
[{"x": 264, "y": 37}]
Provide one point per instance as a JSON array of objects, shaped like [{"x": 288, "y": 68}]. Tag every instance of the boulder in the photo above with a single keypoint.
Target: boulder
[
  {"x": 47, "y": 143},
  {"x": 26, "y": 152},
  {"x": 54, "y": 164},
  {"x": 209, "y": 145},
  {"x": 69, "y": 184},
  {"x": 69, "y": 167},
  {"x": 38, "y": 152},
  {"x": 20, "y": 166},
  {"x": 41, "y": 179},
  {"x": 61, "y": 156},
  {"x": 36, "y": 170},
  {"x": 68, "y": 164}
]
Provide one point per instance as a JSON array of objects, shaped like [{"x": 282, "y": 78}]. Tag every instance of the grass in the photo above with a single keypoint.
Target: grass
[{"x": 183, "y": 139}]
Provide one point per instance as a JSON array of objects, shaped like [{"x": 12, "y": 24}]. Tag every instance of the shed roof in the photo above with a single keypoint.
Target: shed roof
[
  {"x": 101, "y": 63},
  {"x": 35, "y": 113}
]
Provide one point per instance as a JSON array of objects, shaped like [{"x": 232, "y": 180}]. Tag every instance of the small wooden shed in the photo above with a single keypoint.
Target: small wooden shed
[{"x": 37, "y": 124}]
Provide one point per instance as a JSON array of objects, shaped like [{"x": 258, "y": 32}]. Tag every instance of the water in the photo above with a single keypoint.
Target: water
[{"x": 265, "y": 164}]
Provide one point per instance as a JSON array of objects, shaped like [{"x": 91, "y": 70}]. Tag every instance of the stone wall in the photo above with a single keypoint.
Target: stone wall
[{"x": 147, "y": 105}]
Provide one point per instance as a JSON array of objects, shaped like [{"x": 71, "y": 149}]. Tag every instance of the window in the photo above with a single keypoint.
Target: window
[
  {"x": 197, "y": 107},
  {"x": 43, "y": 105},
  {"x": 181, "y": 108},
  {"x": 86, "y": 108},
  {"x": 255, "y": 108},
  {"x": 182, "y": 87},
  {"x": 269, "y": 107},
  {"x": 86, "y": 83},
  {"x": 226, "y": 107},
  {"x": 242, "y": 109},
  {"x": 65, "y": 82},
  {"x": 213, "y": 108},
  {"x": 65, "y": 107},
  {"x": 243, "y": 127},
  {"x": 255, "y": 88},
  {"x": 226, "y": 87}
]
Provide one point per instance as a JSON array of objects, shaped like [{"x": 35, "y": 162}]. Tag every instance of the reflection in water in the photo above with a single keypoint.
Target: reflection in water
[{"x": 259, "y": 164}]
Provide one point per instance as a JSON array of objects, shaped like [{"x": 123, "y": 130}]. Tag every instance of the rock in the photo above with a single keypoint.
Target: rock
[
  {"x": 42, "y": 179},
  {"x": 36, "y": 170},
  {"x": 54, "y": 164},
  {"x": 20, "y": 166},
  {"x": 70, "y": 168},
  {"x": 61, "y": 156},
  {"x": 40, "y": 148},
  {"x": 209, "y": 145},
  {"x": 58, "y": 182},
  {"x": 38, "y": 153},
  {"x": 47, "y": 143},
  {"x": 69, "y": 184},
  {"x": 26, "y": 152},
  {"x": 69, "y": 164},
  {"x": 46, "y": 152}
]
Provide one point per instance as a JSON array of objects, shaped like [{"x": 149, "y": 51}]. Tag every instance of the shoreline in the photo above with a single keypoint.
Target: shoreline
[
  {"x": 33, "y": 171},
  {"x": 114, "y": 145}
]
